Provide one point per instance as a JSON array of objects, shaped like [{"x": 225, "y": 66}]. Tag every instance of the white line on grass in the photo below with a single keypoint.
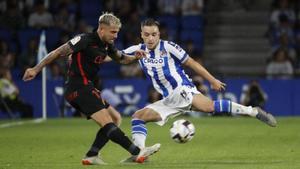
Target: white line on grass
[{"x": 18, "y": 123}]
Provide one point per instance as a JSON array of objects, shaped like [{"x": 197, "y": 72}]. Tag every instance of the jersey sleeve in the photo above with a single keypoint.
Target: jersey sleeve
[
  {"x": 78, "y": 43},
  {"x": 130, "y": 50},
  {"x": 176, "y": 51}
]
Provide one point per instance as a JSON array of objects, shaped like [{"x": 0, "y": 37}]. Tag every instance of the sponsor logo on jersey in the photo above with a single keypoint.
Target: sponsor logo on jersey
[{"x": 152, "y": 61}]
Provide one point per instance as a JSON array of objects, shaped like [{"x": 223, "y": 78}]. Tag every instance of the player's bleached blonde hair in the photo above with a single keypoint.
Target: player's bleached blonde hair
[{"x": 109, "y": 19}]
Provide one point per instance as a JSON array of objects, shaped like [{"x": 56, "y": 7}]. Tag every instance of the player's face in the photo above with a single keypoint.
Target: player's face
[
  {"x": 150, "y": 36},
  {"x": 109, "y": 33}
]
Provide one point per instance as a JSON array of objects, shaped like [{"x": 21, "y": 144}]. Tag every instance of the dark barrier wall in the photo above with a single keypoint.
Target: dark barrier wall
[{"x": 132, "y": 94}]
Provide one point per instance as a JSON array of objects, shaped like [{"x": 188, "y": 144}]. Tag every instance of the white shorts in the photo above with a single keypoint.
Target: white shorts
[{"x": 179, "y": 102}]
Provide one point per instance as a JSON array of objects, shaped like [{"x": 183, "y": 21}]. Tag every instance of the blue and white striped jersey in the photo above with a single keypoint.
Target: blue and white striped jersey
[{"x": 163, "y": 66}]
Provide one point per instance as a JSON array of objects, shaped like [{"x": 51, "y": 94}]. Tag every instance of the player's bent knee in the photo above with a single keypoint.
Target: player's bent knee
[
  {"x": 115, "y": 115},
  {"x": 138, "y": 115},
  {"x": 147, "y": 115},
  {"x": 142, "y": 114},
  {"x": 118, "y": 120},
  {"x": 102, "y": 117}
]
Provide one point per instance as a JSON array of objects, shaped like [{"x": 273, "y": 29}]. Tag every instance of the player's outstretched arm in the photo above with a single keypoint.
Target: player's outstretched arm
[
  {"x": 127, "y": 59},
  {"x": 63, "y": 50},
  {"x": 199, "y": 69}
]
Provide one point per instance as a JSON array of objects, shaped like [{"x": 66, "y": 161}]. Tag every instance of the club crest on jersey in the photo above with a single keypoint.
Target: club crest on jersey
[
  {"x": 99, "y": 59},
  {"x": 162, "y": 53}
]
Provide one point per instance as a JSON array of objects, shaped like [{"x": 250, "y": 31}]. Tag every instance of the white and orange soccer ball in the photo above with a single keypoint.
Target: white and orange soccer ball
[{"x": 182, "y": 131}]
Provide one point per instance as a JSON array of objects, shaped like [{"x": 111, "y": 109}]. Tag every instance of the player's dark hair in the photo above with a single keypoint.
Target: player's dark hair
[{"x": 150, "y": 22}]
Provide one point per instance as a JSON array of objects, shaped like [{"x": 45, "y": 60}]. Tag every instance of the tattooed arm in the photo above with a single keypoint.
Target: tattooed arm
[{"x": 63, "y": 50}]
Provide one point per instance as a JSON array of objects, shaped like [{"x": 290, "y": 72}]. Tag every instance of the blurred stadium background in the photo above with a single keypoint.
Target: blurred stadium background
[{"x": 238, "y": 41}]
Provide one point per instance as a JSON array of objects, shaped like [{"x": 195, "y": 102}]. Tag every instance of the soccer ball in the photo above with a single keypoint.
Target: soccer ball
[{"x": 182, "y": 131}]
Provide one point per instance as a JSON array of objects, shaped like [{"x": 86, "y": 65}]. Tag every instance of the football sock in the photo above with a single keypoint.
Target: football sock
[
  {"x": 116, "y": 135},
  {"x": 100, "y": 140},
  {"x": 139, "y": 132},
  {"x": 227, "y": 106}
]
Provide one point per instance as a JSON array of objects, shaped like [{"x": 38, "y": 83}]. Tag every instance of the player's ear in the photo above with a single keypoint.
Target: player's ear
[
  {"x": 102, "y": 27},
  {"x": 99, "y": 29}
]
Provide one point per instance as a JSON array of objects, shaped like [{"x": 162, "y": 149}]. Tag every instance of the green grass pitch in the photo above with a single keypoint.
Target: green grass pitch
[{"x": 219, "y": 143}]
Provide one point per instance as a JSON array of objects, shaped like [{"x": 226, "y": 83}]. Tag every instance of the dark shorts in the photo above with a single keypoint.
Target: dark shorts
[{"x": 86, "y": 99}]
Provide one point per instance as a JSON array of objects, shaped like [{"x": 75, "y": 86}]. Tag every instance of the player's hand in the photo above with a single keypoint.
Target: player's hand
[
  {"x": 217, "y": 85},
  {"x": 29, "y": 74},
  {"x": 139, "y": 54}
]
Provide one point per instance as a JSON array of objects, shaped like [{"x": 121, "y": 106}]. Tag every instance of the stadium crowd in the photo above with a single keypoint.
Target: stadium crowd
[
  {"x": 181, "y": 21},
  {"x": 284, "y": 38},
  {"x": 22, "y": 21}
]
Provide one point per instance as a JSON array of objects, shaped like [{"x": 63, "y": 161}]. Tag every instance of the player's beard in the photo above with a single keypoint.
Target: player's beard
[{"x": 110, "y": 41}]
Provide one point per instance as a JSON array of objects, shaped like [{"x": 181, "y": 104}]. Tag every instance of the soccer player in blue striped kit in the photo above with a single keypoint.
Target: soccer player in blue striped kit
[{"x": 163, "y": 65}]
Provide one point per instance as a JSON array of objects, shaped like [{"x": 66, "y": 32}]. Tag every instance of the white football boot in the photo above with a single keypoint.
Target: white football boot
[
  {"x": 94, "y": 160},
  {"x": 143, "y": 155}
]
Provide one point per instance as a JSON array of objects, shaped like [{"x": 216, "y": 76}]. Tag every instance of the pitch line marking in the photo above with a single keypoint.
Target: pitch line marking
[{"x": 18, "y": 123}]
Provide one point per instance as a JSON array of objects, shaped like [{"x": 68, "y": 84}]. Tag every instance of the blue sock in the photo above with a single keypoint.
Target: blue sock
[
  {"x": 138, "y": 126},
  {"x": 139, "y": 132},
  {"x": 222, "y": 107}
]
